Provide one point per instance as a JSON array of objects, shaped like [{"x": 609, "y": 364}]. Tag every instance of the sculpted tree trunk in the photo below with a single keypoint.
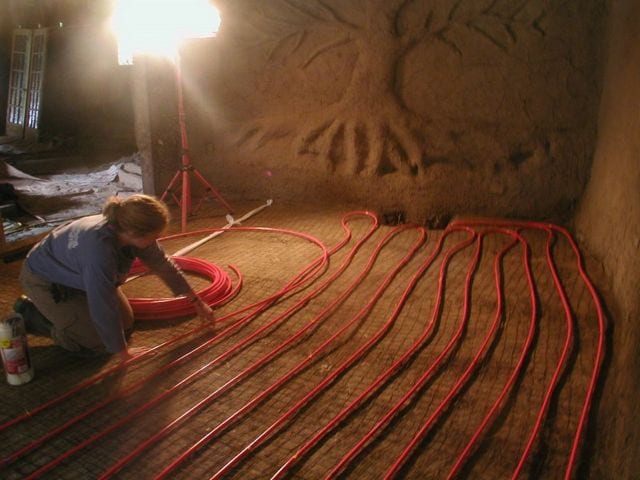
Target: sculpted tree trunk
[{"x": 369, "y": 130}]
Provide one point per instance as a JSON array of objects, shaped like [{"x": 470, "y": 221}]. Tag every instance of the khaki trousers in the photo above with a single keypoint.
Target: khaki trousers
[{"x": 72, "y": 328}]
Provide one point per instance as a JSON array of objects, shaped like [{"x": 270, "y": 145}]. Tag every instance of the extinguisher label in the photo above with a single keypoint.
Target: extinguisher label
[{"x": 14, "y": 358}]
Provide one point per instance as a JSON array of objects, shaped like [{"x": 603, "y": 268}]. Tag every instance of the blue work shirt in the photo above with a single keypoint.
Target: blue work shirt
[{"x": 85, "y": 254}]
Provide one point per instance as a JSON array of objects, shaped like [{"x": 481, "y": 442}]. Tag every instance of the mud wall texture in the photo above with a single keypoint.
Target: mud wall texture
[
  {"x": 608, "y": 221},
  {"x": 433, "y": 108}
]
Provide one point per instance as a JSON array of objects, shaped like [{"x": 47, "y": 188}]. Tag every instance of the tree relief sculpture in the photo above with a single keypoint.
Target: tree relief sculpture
[{"x": 368, "y": 128}]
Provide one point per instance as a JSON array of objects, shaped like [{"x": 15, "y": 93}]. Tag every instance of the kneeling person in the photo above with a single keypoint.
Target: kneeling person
[{"x": 73, "y": 276}]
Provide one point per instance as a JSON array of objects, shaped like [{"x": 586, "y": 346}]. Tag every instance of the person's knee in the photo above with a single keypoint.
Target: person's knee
[{"x": 81, "y": 342}]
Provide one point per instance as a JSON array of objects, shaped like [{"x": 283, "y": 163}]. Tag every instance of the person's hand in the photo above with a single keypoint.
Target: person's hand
[
  {"x": 204, "y": 311},
  {"x": 132, "y": 352}
]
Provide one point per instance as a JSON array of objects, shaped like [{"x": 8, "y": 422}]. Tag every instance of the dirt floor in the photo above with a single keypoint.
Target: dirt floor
[{"x": 456, "y": 361}]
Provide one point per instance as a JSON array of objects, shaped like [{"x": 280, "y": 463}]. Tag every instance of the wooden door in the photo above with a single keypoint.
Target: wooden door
[
  {"x": 28, "y": 58},
  {"x": 34, "y": 85}
]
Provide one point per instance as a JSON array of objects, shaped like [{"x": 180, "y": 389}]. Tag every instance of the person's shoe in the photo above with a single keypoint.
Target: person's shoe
[
  {"x": 38, "y": 325},
  {"x": 34, "y": 322},
  {"x": 22, "y": 304}
]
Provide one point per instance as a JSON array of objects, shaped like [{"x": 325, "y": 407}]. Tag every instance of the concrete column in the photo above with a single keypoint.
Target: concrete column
[{"x": 156, "y": 122}]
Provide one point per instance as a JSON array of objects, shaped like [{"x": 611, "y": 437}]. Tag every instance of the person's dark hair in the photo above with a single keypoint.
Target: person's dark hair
[{"x": 137, "y": 215}]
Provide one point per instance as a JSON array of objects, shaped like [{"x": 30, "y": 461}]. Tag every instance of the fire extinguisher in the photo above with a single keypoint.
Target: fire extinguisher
[{"x": 15, "y": 350}]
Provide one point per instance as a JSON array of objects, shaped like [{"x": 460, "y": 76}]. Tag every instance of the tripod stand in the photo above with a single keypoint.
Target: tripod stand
[{"x": 186, "y": 168}]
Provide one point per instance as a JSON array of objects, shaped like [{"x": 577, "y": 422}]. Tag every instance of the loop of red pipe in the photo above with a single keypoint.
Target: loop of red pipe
[
  {"x": 509, "y": 228},
  {"x": 218, "y": 291},
  {"x": 426, "y": 426}
]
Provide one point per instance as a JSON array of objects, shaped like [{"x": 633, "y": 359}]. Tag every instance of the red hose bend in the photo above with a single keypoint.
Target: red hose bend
[{"x": 218, "y": 291}]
